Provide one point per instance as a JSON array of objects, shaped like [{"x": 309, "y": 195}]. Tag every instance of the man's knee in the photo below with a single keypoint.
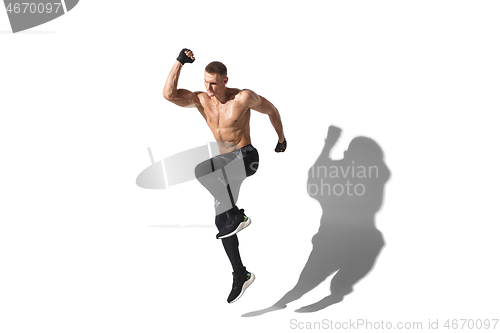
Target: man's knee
[
  {"x": 252, "y": 168},
  {"x": 202, "y": 169}
]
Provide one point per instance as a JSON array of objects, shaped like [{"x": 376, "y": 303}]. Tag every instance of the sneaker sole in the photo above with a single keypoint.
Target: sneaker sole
[
  {"x": 240, "y": 227},
  {"x": 245, "y": 286}
]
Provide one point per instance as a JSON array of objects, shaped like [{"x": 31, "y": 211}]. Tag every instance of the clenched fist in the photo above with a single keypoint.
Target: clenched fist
[{"x": 186, "y": 55}]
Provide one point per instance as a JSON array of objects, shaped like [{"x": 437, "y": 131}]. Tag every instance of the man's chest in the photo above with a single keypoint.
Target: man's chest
[{"x": 224, "y": 115}]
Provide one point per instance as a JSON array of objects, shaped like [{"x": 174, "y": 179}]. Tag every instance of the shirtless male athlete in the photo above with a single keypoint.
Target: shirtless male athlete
[{"x": 227, "y": 113}]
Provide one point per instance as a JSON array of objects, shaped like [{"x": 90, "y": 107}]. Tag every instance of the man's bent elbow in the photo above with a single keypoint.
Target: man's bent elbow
[{"x": 168, "y": 96}]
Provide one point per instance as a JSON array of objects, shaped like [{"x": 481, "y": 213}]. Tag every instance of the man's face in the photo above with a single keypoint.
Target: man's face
[{"x": 214, "y": 84}]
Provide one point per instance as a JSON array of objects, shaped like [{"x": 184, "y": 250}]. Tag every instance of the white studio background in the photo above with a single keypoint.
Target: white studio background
[{"x": 82, "y": 248}]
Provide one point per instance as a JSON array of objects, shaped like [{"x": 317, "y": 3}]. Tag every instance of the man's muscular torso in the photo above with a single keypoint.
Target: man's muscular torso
[
  {"x": 226, "y": 110},
  {"x": 229, "y": 121}
]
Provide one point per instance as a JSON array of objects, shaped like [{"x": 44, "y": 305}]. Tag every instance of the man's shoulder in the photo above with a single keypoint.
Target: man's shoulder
[
  {"x": 237, "y": 91},
  {"x": 245, "y": 96},
  {"x": 246, "y": 91},
  {"x": 201, "y": 95}
]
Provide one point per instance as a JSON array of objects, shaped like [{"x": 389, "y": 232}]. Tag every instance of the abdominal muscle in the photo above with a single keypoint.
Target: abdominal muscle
[{"x": 231, "y": 138}]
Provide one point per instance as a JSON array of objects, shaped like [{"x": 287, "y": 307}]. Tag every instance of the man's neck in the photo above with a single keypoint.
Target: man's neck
[{"x": 221, "y": 98}]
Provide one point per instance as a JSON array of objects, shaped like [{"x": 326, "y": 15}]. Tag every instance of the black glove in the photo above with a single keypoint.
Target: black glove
[
  {"x": 280, "y": 147},
  {"x": 183, "y": 58}
]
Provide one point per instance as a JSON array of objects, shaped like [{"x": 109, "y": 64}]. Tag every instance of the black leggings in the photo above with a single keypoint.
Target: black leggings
[{"x": 222, "y": 176}]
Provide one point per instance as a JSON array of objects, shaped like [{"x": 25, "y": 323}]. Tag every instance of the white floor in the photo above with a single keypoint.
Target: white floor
[{"x": 83, "y": 249}]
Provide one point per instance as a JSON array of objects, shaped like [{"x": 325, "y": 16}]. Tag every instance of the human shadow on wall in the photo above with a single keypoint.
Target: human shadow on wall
[{"x": 350, "y": 192}]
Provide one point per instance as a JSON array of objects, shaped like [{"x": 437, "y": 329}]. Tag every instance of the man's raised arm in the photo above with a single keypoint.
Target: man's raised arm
[
  {"x": 262, "y": 105},
  {"x": 181, "y": 97}
]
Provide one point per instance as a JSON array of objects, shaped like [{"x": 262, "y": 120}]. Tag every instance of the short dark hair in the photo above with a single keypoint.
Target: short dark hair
[{"x": 216, "y": 67}]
